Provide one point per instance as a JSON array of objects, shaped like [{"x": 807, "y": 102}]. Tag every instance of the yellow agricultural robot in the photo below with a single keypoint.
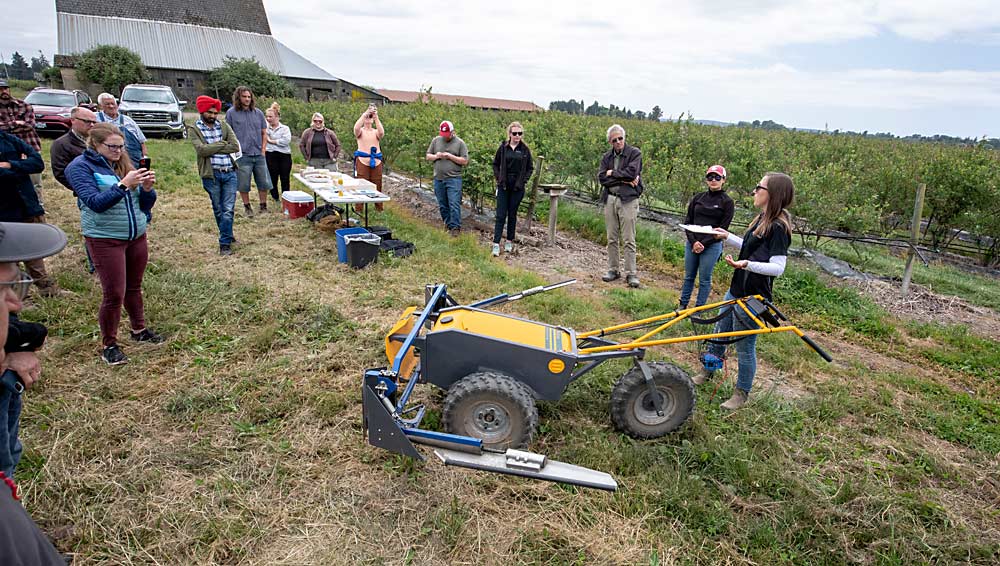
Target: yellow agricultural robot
[{"x": 495, "y": 367}]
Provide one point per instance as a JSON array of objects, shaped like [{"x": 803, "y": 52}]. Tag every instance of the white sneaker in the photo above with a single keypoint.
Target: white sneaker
[
  {"x": 496, "y": 250},
  {"x": 508, "y": 247}
]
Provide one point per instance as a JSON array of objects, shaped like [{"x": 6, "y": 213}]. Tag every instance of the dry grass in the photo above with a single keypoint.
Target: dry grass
[{"x": 239, "y": 441}]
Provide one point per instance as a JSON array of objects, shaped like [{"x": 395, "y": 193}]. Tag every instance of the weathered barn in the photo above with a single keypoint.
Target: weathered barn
[{"x": 181, "y": 40}]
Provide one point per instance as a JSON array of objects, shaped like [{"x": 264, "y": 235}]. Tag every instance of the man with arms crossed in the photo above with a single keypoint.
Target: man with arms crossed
[{"x": 620, "y": 170}]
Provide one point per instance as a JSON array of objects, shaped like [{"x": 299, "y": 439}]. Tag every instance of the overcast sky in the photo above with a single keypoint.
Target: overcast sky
[{"x": 905, "y": 66}]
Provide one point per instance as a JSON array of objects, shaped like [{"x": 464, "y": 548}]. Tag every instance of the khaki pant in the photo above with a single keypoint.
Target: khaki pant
[
  {"x": 36, "y": 267},
  {"x": 36, "y": 179},
  {"x": 619, "y": 220}
]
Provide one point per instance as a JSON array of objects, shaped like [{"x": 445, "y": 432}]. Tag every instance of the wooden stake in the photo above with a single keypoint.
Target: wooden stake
[
  {"x": 534, "y": 192},
  {"x": 918, "y": 209}
]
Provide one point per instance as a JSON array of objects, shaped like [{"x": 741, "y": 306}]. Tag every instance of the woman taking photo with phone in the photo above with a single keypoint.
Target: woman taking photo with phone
[
  {"x": 701, "y": 251},
  {"x": 115, "y": 201},
  {"x": 512, "y": 167},
  {"x": 763, "y": 254}
]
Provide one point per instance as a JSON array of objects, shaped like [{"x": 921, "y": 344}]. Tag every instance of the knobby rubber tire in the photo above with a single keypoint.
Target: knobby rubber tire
[
  {"x": 631, "y": 404},
  {"x": 478, "y": 398}
]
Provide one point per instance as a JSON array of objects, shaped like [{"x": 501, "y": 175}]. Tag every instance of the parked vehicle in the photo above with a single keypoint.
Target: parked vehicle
[
  {"x": 155, "y": 109},
  {"x": 52, "y": 108}
]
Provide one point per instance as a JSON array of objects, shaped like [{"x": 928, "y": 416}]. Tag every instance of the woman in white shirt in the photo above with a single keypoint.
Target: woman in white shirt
[{"x": 279, "y": 151}]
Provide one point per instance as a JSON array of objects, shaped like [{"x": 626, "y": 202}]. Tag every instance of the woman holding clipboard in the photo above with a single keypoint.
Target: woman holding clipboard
[
  {"x": 763, "y": 253},
  {"x": 711, "y": 208}
]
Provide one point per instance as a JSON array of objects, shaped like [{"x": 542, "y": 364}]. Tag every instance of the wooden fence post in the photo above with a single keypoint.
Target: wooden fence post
[
  {"x": 918, "y": 209},
  {"x": 534, "y": 192}
]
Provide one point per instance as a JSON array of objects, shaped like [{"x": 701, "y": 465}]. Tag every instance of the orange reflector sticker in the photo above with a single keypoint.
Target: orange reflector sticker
[{"x": 556, "y": 365}]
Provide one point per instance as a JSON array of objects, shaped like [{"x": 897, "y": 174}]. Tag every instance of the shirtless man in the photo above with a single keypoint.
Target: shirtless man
[{"x": 368, "y": 158}]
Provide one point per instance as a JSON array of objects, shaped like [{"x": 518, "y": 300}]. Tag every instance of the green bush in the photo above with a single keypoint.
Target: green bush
[
  {"x": 236, "y": 72},
  {"x": 112, "y": 67}
]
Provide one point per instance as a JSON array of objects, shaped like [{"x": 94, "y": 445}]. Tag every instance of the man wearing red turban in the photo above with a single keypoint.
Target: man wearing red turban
[{"x": 214, "y": 143}]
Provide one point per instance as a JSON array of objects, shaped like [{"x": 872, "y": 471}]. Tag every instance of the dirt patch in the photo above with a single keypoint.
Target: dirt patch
[{"x": 924, "y": 305}]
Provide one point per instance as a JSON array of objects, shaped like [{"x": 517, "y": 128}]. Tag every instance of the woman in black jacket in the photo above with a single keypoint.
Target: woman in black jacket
[
  {"x": 512, "y": 167},
  {"x": 701, "y": 251}
]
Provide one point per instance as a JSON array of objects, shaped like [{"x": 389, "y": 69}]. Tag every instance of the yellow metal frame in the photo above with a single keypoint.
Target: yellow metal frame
[{"x": 673, "y": 318}]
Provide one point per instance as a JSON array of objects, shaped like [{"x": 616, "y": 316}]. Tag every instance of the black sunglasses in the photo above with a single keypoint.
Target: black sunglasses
[
  {"x": 517, "y": 133},
  {"x": 713, "y": 177},
  {"x": 618, "y": 139},
  {"x": 758, "y": 188}
]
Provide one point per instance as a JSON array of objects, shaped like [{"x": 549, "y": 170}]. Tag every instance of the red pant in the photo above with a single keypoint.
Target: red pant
[{"x": 120, "y": 264}]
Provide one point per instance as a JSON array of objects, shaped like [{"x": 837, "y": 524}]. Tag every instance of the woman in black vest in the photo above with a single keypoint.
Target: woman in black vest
[
  {"x": 512, "y": 167},
  {"x": 701, "y": 251},
  {"x": 763, "y": 254}
]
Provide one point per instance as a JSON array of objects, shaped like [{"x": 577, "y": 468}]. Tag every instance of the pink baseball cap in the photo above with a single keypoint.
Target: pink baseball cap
[
  {"x": 717, "y": 169},
  {"x": 447, "y": 128}
]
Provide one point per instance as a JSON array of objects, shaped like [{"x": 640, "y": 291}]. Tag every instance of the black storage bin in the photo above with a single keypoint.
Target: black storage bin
[
  {"x": 381, "y": 232},
  {"x": 362, "y": 249},
  {"x": 398, "y": 248}
]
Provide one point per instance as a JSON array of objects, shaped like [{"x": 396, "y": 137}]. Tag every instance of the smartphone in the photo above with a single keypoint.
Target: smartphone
[{"x": 145, "y": 162}]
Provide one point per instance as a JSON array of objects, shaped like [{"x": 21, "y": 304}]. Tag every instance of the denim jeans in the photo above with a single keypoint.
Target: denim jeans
[
  {"x": 746, "y": 349},
  {"x": 449, "y": 196},
  {"x": 10, "y": 419},
  {"x": 701, "y": 264},
  {"x": 222, "y": 190},
  {"x": 507, "y": 203},
  {"x": 255, "y": 165}
]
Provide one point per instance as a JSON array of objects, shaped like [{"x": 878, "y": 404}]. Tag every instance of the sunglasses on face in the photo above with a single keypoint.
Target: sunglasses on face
[
  {"x": 758, "y": 188},
  {"x": 87, "y": 122},
  {"x": 618, "y": 139},
  {"x": 317, "y": 121},
  {"x": 20, "y": 286},
  {"x": 113, "y": 147},
  {"x": 713, "y": 177},
  {"x": 517, "y": 133}
]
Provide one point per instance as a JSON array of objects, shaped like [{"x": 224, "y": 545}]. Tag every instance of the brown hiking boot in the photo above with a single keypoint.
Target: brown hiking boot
[
  {"x": 702, "y": 376},
  {"x": 737, "y": 401}
]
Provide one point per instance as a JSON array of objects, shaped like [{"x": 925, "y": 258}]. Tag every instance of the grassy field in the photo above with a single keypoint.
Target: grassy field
[{"x": 239, "y": 441}]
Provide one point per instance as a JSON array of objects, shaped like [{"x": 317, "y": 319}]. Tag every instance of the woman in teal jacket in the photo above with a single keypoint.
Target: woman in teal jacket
[{"x": 115, "y": 201}]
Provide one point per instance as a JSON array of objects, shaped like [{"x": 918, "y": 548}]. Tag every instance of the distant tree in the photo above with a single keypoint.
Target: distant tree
[
  {"x": 640, "y": 115},
  {"x": 235, "y": 72},
  {"x": 655, "y": 114},
  {"x": 594, "y": 109},
  {"x": 112, "y": 67},
  {"x": 53, "y": 76},
  {"x": 19, "y": 68},
  {"x": 40, "y": 63}
]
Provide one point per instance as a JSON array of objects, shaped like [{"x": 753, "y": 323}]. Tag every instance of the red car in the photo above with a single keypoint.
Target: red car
[{"x": 52, "y": 108}]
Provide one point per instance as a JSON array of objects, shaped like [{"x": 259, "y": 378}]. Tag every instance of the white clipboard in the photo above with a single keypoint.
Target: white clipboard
[{"x": 699, "y": 229}]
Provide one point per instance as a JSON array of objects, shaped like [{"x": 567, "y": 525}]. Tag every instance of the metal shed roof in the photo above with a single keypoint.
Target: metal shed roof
[{"x": 166, "y": 45}]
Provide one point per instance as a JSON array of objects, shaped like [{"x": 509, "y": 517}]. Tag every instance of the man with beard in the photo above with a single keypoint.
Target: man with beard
[
  {"x": 18, "y": 118},
  {"x": 214, "y": 141}
]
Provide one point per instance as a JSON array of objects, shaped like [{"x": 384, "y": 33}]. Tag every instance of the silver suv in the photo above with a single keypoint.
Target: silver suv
[{"x": 155, "y": 109}]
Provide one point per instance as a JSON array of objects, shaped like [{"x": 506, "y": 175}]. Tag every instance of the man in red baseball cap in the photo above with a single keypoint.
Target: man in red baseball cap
[
  {"x": 450, "y": 155},
  {"x": 214, "y": 143}
]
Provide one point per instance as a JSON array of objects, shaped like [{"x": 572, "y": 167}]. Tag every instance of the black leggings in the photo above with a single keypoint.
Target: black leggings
[
  {"x": 279, "y": 165},
  {"x": 507, "y": 203}
]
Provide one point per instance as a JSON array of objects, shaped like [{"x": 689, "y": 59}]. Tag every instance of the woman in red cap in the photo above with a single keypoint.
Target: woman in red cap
[{"x": 701, "y": 251}]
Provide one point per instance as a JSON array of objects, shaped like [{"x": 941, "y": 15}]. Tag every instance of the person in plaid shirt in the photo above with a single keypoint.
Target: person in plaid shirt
[
  {"x": 18, "y": 118},
  {"x": 214, "y": 142}
]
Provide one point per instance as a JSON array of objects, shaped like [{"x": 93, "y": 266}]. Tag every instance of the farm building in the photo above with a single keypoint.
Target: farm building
[
  {"x": 406, "y": 96},
  {"x": 181, "y": 40}
]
